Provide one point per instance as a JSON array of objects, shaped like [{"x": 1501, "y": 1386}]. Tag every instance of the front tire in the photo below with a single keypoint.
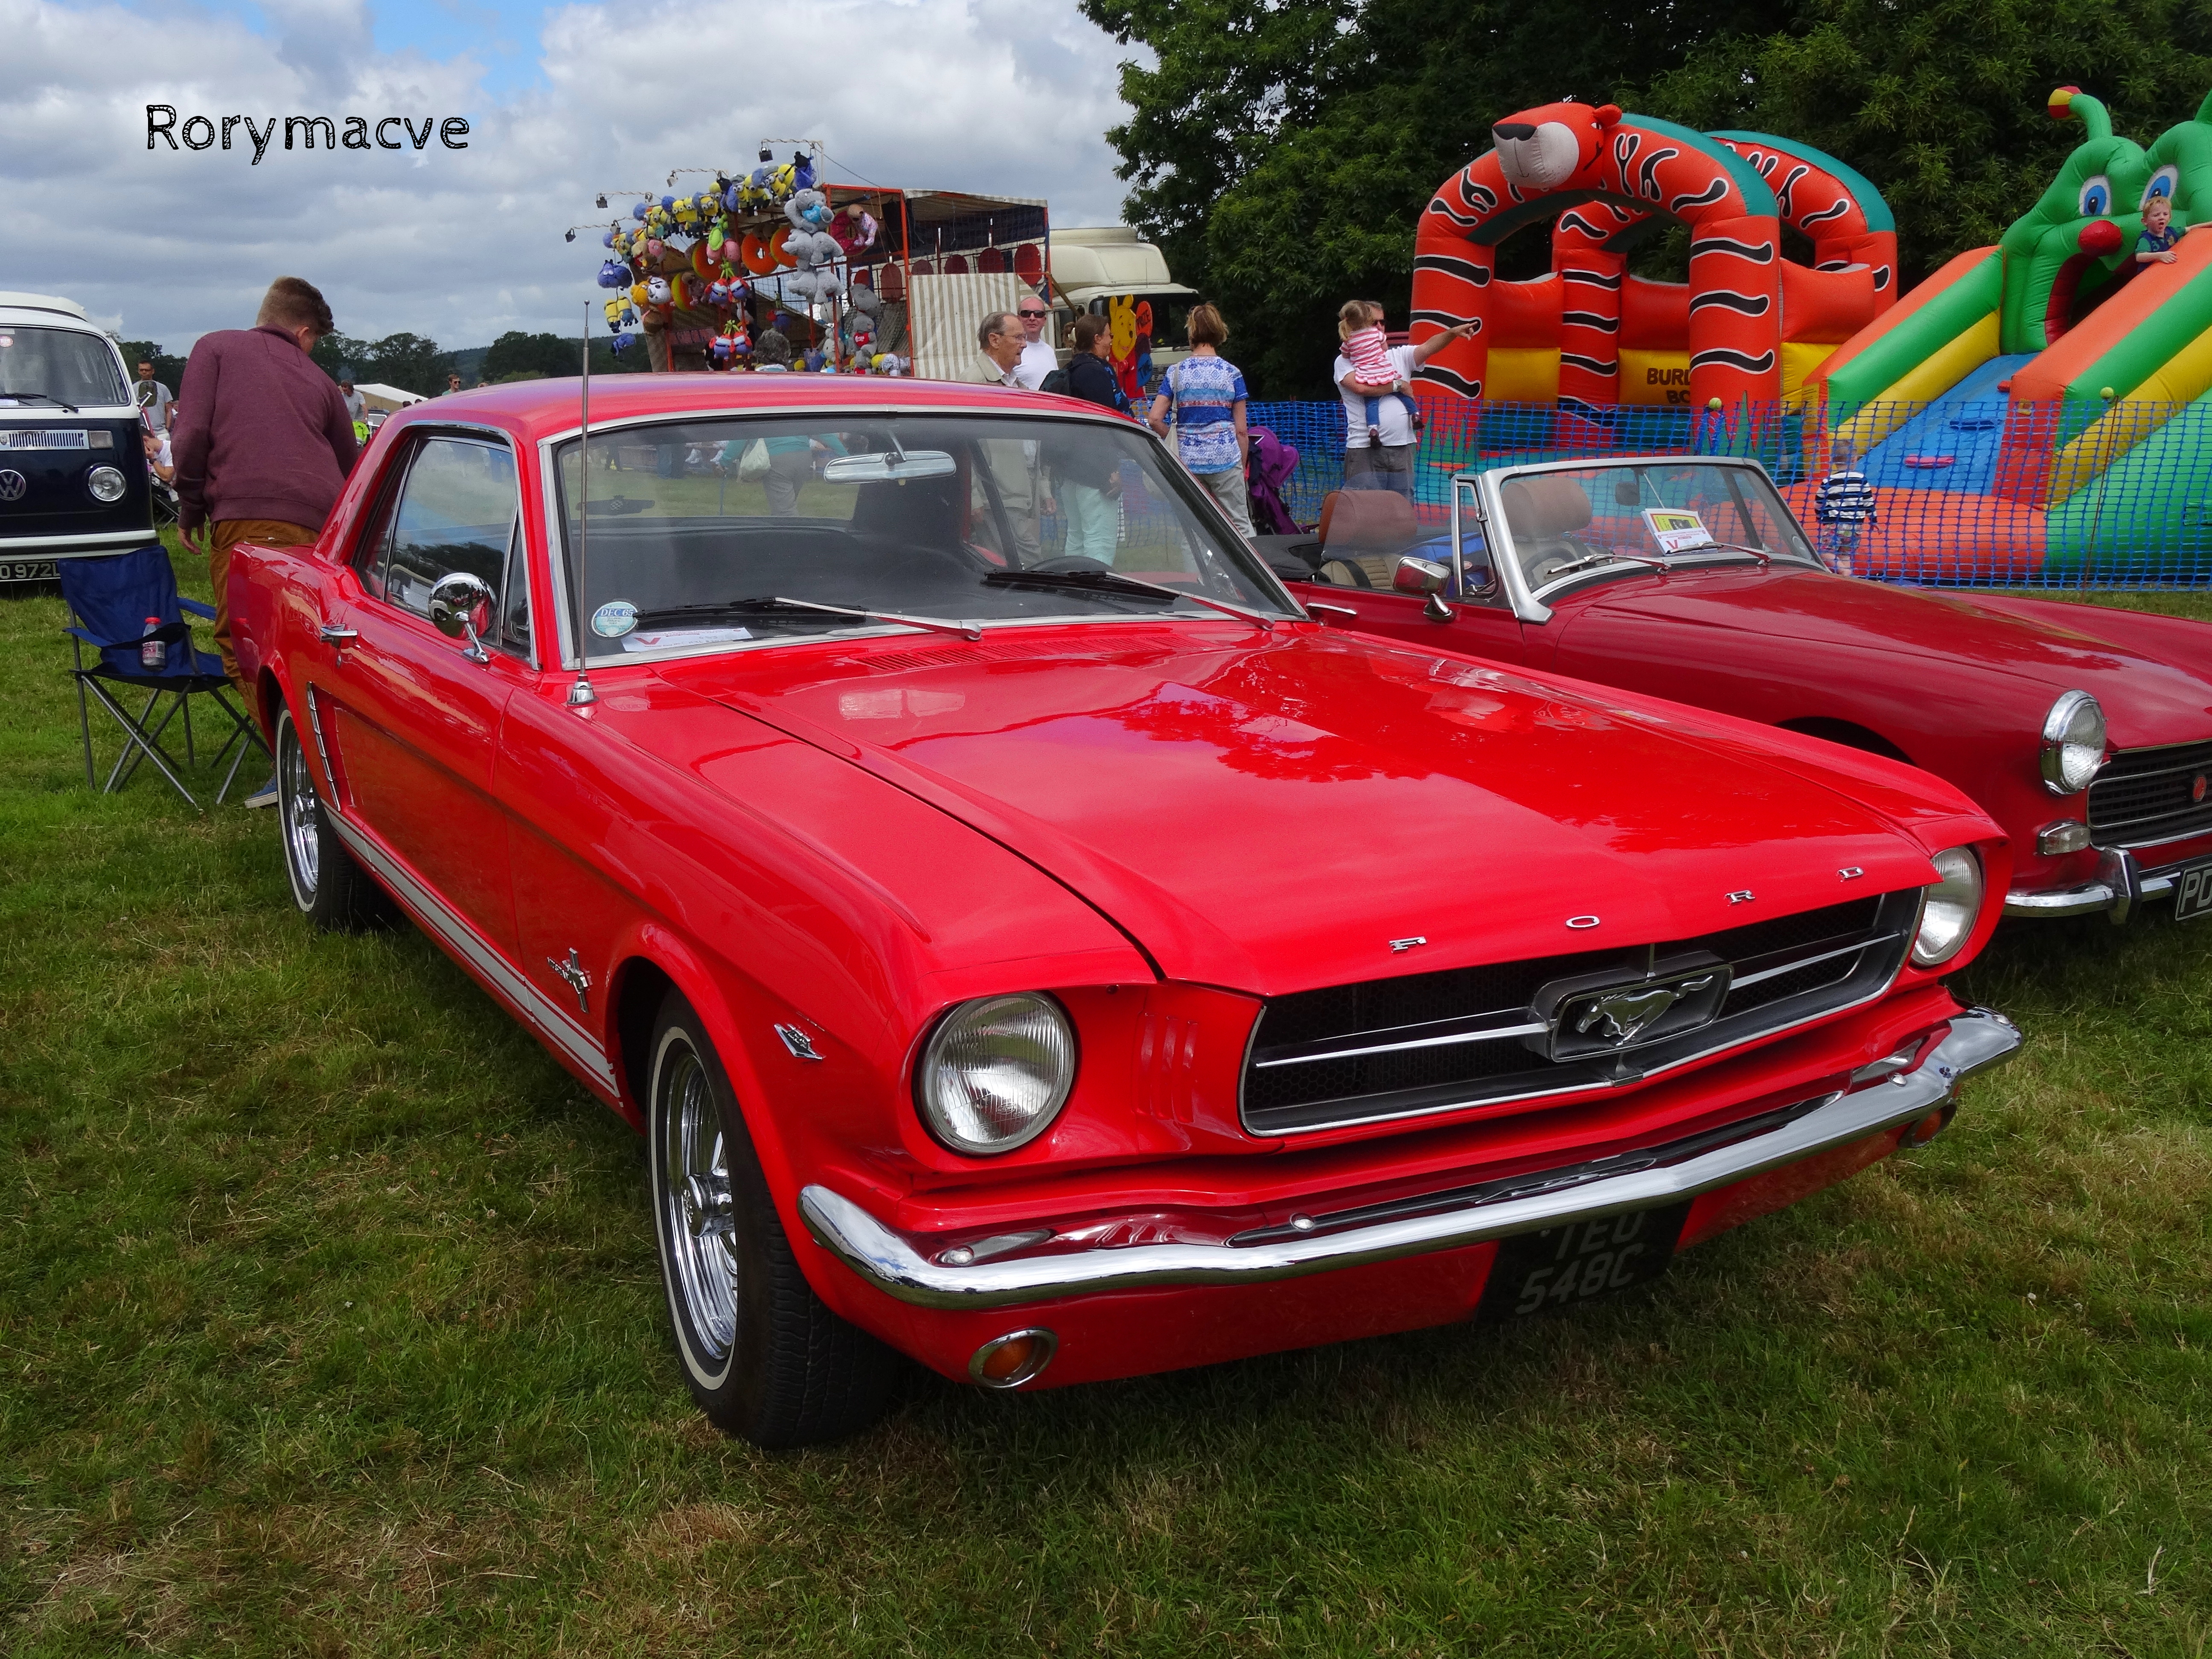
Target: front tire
[
  {"x": 333, "y": 891},
  {"x": 764, "y": 1357}
]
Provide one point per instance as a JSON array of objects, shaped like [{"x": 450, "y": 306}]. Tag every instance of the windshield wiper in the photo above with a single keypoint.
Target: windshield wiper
[
  {"x": 48, "y": 396},
  {"x": 1608, "y": 556},
  {"x": 1114, "y": 582},
  {"x": 771, "y": 602}
]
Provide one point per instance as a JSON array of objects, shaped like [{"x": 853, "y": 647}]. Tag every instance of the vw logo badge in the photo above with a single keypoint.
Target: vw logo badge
[{"x": 12, "y": 485}]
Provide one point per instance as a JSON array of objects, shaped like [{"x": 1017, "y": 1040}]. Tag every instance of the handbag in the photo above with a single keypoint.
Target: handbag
[{"x": 752, "y": 465}]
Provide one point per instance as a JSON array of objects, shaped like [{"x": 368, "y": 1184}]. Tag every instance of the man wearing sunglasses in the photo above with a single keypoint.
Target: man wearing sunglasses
[{"x": 1038, "y": 358}]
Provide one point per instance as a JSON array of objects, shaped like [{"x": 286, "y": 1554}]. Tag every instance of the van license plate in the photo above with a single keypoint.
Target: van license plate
[{"x": 28, "y": 570}]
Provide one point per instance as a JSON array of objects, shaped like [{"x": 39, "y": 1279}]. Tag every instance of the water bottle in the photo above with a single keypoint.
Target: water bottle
[{"x": 152, "y": 653}]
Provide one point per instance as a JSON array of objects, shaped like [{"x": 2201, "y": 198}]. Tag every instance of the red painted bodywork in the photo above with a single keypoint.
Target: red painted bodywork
[
  {"x": 1959, "y": 683},
  {"x": 1162, "y": 822}
]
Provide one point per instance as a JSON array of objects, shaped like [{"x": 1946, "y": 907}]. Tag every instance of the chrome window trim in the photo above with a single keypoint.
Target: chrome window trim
[
  {"x": 1490, "y": 483},
  {"x": 416, "y": 434},
  {"x": 556, "y": 568}
]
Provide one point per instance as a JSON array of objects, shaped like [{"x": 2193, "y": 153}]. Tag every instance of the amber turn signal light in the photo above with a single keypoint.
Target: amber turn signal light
[
  {"x": 1927, "y": 1128},
  {"x": 1009, "y": 1361}
]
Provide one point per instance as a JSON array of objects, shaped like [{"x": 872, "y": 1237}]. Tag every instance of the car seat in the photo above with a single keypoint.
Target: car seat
[{"x": 1543, "y": 512}]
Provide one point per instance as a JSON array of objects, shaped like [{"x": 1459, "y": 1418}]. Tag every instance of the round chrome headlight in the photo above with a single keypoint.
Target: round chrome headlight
[
  {"x": 105, "y": 483},
  {"x": 2072, "y": 743},
  {"x": 1948, "y": 907},
  {"x": 996, "y": 1072}
]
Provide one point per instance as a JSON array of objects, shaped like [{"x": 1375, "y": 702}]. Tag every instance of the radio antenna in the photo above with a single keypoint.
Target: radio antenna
[{"x": 580, "y": 695}]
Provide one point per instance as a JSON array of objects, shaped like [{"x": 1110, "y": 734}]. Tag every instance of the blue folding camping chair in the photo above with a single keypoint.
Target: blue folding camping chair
[{"x": 112, "y": 599}]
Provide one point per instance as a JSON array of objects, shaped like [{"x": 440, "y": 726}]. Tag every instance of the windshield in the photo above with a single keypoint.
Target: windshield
[
  {"x": 68, "y": 365},
  {"x": 1590, "y": 518},
  {"x": 699, "y": 529}
]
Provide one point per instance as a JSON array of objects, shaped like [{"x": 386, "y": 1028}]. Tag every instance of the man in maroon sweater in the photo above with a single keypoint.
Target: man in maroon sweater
[{"x": 263, "y": 444}]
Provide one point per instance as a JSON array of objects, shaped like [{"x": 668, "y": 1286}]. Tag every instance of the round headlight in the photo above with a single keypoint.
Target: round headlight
[
  {"x": 996, "y": 1072},
  {"x": 2073, "y": 743},
  {"x": 1948, "y": 907},
  {"x": 105, "y": 483}
]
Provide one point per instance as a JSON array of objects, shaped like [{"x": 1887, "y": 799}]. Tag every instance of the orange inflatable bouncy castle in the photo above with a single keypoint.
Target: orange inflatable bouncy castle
[{"x": 1749, "y": 324}]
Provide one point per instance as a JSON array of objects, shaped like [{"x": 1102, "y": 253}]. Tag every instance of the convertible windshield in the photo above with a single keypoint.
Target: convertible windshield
[
  {"x": 1617, "y": 517},
  {"x": 714, "y": 532}
]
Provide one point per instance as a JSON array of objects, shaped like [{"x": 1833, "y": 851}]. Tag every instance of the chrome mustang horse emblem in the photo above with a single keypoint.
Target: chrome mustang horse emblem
[{"x": 1620, "y": 1018}]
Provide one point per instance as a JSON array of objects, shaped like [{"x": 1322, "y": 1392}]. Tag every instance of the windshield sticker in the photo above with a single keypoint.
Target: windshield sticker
[
  {"x": 614, "y": 619},
  {"x": 670, "y": 639},
  {"x": 1677, "y": 530}
]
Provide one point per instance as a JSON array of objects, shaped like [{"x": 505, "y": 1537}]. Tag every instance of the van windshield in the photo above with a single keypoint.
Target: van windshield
[
  {"x": 710, "y": 533},
  {"x": 66, "y": 364}
]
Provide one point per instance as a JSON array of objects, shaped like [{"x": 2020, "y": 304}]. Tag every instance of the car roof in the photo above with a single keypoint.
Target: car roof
[{"x": 536, "y": 410}]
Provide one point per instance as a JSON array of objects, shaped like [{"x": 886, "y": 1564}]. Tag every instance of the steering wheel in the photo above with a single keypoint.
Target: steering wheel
[{"x": 1570, "y": 552}]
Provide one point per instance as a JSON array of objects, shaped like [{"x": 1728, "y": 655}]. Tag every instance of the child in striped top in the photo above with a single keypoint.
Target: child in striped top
[
  {"x": 1359, "y": 326},
  {"x": 1844, "y": 503}
]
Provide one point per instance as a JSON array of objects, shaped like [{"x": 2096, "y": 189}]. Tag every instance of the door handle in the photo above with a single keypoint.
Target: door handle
[{"x": 331, "y": 634}]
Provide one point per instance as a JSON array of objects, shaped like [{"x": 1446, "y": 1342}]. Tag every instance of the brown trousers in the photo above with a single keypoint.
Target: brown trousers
[{"x": 223, "y": 536}]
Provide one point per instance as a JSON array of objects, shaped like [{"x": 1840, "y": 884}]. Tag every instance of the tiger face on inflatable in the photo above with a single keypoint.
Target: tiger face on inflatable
[{"x": 1541, "y": 148}]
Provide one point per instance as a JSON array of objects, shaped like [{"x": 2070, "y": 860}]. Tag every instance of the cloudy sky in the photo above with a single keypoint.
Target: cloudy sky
[{"x": 1003, "y": 96}]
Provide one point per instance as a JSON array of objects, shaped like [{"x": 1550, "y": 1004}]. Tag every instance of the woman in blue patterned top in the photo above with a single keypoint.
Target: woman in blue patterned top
[{"x": 1204, "y": 395}]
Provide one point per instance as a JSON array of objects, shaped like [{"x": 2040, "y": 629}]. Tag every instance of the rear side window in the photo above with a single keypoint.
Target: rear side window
[{"x": 454, "y": 509}]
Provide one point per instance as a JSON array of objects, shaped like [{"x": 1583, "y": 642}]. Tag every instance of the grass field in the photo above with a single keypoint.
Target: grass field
[{"x": 330, "y": 1324}]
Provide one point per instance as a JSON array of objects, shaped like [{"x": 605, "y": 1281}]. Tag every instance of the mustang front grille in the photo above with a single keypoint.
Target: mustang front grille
[
  {"x": 1471, "y": 1037},
  {"x": 2147, "y": 795}
]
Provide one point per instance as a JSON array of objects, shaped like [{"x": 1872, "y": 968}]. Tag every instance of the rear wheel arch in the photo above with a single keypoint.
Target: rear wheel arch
[{"x": 1849, "y": 733}]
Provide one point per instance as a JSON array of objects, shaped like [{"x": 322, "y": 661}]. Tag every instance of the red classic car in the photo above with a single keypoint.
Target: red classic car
[
  {"x": 1028, "y": 941},
  {"x": 2086, "y": 731}
]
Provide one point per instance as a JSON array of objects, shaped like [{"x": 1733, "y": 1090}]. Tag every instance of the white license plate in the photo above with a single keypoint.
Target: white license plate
[{"x": 28, "y": 570}]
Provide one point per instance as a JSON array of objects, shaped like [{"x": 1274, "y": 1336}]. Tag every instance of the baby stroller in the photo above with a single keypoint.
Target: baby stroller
[{"x": 1273, "y": 461}]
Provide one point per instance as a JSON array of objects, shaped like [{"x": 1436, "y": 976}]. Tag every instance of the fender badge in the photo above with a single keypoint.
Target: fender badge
[
  {"x": 1850, "y": 872},
  {"x": 1582, "y": 922},
  {"x": 1742, "y": 896},
  {"x": 801, "y": 1045},
  {"x": 1399, "y": 946}
]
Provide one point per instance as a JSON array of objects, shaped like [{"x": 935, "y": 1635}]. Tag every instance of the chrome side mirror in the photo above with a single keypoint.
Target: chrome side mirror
[
  {"x": 460, "y": 605},
  {"x": 1412, "y": 576}
]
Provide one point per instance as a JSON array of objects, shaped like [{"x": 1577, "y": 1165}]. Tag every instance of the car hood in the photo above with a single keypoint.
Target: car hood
[
  {"x": 2149, "y": 695},
  {"x": 1274, "y": 812}
]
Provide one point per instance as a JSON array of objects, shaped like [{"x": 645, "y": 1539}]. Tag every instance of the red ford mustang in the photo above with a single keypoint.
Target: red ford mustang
[
  {"x": 1029, "y": 942},
  {"x": 2086, "y": 731}
]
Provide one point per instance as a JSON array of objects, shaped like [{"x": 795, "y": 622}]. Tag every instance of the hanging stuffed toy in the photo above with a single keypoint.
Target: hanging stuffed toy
[
  {"x": 812, "y": 249},
  {"x": 614, "y": 274},
  {"x": 657, "y": 292}
]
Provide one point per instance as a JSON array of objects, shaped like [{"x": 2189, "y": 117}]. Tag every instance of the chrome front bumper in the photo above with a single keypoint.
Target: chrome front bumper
[
  {"x": 2121, "y": 884},
  {"x": 1884, "y": 1099}
]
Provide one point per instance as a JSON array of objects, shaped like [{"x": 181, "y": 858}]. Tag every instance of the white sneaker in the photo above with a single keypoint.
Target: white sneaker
[{"x": 266, "y": 796}]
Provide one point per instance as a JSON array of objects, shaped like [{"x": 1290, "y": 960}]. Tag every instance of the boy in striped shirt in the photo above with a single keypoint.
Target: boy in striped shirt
[{"x": 1844, "y": 502}]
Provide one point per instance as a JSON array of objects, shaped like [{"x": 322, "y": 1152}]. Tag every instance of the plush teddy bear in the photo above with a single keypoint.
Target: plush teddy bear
[{"x": 810, "y": 245}]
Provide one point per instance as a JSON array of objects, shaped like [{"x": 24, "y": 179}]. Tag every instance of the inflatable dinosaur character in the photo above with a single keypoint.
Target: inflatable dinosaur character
[{"x": 2063, "y": 253}]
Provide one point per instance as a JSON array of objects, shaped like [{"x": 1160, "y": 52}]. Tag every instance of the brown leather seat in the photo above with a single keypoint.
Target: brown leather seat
[
  {"x": 1546, "y": 506},
  {"x": 1544, "y": 512},
  {"x": 1357, "y": 521}
]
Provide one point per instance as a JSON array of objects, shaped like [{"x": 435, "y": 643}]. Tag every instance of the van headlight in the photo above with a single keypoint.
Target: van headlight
[
  {"x": 996, "y": 1072},
  {"x": 2072, "y": 743},
  {"x": 1948, "y": 907},
  {"x": 105, "y": 483}
]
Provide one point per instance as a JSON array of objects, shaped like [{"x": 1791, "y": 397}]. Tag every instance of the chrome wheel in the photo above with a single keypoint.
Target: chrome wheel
[
  {"x": 296, "y": 811},
  {"x": 698, "y": 1213}
]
